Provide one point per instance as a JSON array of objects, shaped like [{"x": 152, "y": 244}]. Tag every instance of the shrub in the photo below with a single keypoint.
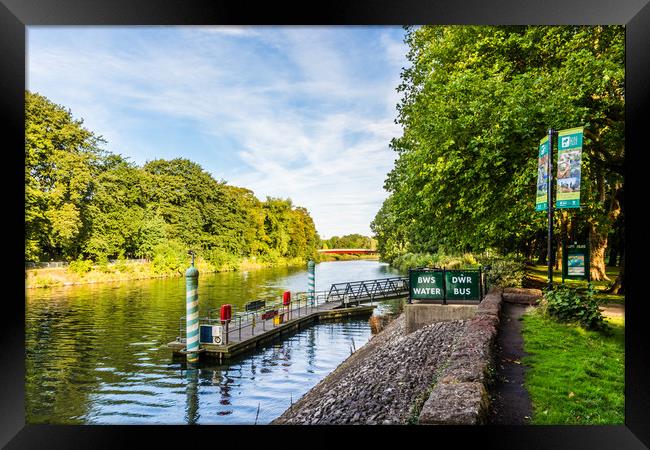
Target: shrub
[
  {"x": 80, "y": 266},
  {"x": 102, "y": 264},
  {"x": 170, "y": 256},
  {"x": 568, "y": 305},
  {"x": 122, "y": 266},
  {"x": 504, "y": 271},
  {"x": 221, "y": 260}
]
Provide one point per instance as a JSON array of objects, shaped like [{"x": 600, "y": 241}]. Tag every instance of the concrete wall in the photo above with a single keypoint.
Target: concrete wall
[
  {"x": 461, "y": 395},
  {"x": 419, "y": 315}
]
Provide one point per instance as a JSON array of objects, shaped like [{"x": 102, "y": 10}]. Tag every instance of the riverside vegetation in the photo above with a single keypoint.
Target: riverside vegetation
[
  {"x": 85, "y": 205},
  {"x": 476, "y": 100}
]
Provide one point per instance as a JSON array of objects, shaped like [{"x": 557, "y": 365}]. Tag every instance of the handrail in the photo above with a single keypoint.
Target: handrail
[{"x": 352, "y": 291}]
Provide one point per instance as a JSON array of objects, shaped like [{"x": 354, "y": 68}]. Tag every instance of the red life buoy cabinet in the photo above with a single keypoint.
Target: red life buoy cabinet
[{"x": 226, "y": 313}]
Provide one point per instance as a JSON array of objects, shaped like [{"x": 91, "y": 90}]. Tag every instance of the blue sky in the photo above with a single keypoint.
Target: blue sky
[{"x": 300, "y": 112}]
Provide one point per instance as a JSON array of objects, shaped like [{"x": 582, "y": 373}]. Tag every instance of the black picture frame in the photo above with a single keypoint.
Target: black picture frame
[{"x": 15, "y": 15}]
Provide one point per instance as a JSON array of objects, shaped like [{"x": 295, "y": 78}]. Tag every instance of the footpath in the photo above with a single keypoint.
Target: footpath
[{"x": 510, "y": 403}]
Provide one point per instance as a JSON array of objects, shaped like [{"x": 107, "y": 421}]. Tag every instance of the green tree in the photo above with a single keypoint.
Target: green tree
[
  {"x": 62, "y": 161},
  {"x": 476, "y": 101},
  {"x": 82, "y": 201}
]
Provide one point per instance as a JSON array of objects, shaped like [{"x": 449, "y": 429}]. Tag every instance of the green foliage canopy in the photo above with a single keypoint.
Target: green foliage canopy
[
  {"x": 476, "y": 101},
  {"x": 82, "y": 201}
]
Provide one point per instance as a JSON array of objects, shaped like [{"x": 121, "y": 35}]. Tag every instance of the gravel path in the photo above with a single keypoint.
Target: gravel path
[{"x": 379, "y": 383}]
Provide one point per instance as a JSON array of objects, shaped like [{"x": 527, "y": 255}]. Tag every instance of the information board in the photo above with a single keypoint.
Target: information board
[
  {"x": 426, "y": 284},
  {"x": 463, "y": 285},
  {"x": 575, "y": 262}
]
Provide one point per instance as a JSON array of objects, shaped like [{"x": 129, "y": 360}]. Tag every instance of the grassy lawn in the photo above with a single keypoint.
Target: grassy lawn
[
  {"x": 575, "y": 376},
  {"x": 538, "y": 276}
]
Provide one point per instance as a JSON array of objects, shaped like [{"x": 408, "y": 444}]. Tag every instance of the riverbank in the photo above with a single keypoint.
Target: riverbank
[
  {"x": 384, "y": 382},
  {"x": 438, "y": 374},
  {"x": 124, "y": 271}
]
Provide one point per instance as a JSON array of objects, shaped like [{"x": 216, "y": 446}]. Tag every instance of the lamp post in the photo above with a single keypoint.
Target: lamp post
[{"x": 549, "y": 198}]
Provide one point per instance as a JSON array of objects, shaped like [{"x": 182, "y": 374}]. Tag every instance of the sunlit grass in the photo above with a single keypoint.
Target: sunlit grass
[
  {"x": 575, "y": 376},
  {"x": 539, "y": 274}
]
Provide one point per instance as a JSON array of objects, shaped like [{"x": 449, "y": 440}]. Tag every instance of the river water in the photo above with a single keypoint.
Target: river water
[{"x": 96, "y": 354}]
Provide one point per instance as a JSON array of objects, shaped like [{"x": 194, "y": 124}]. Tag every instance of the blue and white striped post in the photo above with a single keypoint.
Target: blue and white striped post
[
  {"x": 311, "y": 269},
  {"x": 192, "y": 313}
]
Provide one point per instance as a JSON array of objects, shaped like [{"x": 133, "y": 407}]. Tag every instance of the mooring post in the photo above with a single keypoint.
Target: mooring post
[
  {"x": 192, "y": 312},
  {"x": 311, "y": 268}
]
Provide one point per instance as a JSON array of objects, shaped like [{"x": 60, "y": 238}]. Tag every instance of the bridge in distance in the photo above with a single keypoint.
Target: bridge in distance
[{"x": 348, "y": 251}]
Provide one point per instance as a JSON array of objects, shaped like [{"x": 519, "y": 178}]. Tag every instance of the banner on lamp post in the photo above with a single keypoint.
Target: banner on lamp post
[
  {"x": 569, "y": 159},
  {"x": 541, "y": 201}
]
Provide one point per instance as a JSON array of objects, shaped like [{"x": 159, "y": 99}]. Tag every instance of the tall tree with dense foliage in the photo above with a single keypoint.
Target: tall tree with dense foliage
[
  {"x": 476, "y": 101},
  {"x": 82, "y": 201},
  {"x": 62, "y": 161}
]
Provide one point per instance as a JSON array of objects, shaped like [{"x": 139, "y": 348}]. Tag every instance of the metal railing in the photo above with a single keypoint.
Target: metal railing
[
  {"x": 345, "y": 293},
  {"x": 299, "y": 306},
  {"x": 369, "y": 289}
]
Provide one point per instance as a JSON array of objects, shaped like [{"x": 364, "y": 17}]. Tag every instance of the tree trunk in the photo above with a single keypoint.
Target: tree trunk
[
  {"x": 598, "y": 245},
  {"x": 598, "y": 237},
  {"x": 618, "y": 287}
]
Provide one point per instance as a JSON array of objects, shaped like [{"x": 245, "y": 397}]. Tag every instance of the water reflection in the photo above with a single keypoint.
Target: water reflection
[
  {"x": 192, "y": 389},
  {"x": 96, "y": 353}
]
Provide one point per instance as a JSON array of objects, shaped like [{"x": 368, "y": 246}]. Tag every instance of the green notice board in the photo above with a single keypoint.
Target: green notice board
[
  {"x": 575, "y": 262},
  {"x": 426, "y": 284},
  {"x": 463, "y": 285}
]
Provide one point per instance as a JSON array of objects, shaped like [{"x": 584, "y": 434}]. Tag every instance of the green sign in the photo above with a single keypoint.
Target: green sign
[
  {"x": 575, "y": 262},
  {"x": 541, "y": 201},
  {"x": 568, "y": 168},
  {"x": 462, "y": 285},
  {"x": 426, "y": 284}
]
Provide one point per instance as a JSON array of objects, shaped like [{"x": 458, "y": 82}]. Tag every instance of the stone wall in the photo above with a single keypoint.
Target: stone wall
[
  {"x": 380, "y": 382},
  {"x": 419, "y": 315},
  {"x": 460, "y": 397},
  {"x": 385, "y": 380}
]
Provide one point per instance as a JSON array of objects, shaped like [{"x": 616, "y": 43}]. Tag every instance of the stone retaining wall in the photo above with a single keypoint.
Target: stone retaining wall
[
  {"x": 461, "y": 395},
  {"x": 384, "y": 381},
  {"x": 380, "y": 383}
]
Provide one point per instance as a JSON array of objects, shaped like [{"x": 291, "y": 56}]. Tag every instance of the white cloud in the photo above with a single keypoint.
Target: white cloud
[{"x": 304, "y": 121}]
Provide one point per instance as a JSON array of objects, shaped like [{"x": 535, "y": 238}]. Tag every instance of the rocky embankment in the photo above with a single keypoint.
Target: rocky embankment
[
  {"x": 385, "y": 382},
  {"x": 439, "y": 374}
]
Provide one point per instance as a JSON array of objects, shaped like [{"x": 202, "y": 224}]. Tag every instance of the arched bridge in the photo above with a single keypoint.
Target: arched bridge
[{"x": 348, "y": 251}]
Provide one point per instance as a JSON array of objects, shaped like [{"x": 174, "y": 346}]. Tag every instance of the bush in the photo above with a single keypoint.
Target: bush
[
  {"x": 567, "y": 305},
  {"x": 80, "y": 266},
  {"x": 170, "y": 256},
  {"x": 221, "y": 260},
  {"x": 122, "y": 266},
  {"x": 102, "y": 264},
  {"x": 504, "y": 271}
]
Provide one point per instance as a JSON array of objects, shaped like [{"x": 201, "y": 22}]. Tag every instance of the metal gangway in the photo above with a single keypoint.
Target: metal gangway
[{"x": 368, "y": 290}]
